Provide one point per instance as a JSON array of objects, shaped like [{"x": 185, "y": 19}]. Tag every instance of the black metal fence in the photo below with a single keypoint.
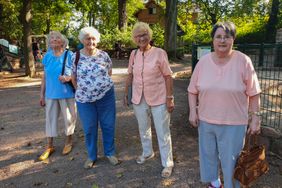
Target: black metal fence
[{"x": 267, "y": 60}]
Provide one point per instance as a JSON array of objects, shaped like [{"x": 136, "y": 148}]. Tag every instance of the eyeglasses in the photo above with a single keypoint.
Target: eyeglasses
[
  {"x": 223, "y": 38},
  {"x": 141, "y": 35}
]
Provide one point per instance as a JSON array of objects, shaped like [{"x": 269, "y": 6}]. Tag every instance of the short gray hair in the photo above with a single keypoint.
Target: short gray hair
[
  {"x": 89, "y": 31},
  {"x": 141, "y": 26},
  {"x": 61, "y": 36},
  {"x": 228, "y": 27}
]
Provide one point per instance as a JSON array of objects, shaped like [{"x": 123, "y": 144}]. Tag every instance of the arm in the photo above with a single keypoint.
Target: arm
[
  {"x": 73, "y": 80},
  {"x": 42, "y": 91},
  {"x": 110, "y": 72},
  {"x": 254, "y": 106},
  {"x": 193, "y": 115},
  {"x": 128, "y": 82},
  {"x": 64, "y": 78},
  {"x": 169, "y": 93}
]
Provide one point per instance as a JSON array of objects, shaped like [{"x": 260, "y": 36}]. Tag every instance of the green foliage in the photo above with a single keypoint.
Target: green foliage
[
  {"x": 110, "y": 37},
  {"x": 158, "y": 35},
  {"x": 249, "y": 16},
  {"x": 69, "y": 16},
  {"x": 250, "y": 29},
  {"x": 11, "y": 28},
  {"x": 50, "y": 15}
]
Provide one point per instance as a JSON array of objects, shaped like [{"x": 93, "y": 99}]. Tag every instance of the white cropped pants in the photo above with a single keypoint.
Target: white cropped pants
[
  {"x": 53, "y": 109},
  {"x": 161, "y": 118}
]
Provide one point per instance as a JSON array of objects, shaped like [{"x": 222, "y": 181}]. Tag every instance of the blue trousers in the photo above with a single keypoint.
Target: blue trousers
[
  {"x": 220, "y": 143},
  {"x": 102, "y": 111}
]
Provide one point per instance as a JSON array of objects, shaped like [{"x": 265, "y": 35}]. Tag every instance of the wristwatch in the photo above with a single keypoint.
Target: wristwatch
[
  {"x": 170, "y": 97},
  {"x": 256, "y": 113}
]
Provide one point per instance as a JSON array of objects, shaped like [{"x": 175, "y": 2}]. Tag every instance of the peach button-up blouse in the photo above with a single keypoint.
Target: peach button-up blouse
[{"x": 149, "y": 70}]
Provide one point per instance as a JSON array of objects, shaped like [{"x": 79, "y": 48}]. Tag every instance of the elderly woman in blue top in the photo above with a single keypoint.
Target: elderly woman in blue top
[
  {"x": 95, "y": 95},
  {"x": 55, "y": 94}
]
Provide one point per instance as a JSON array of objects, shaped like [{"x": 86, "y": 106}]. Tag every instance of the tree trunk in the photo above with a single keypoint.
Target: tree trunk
[
  {"x": 26, "y": 21},
  {"x": 272, "y": 22},
  {"x": 171, "y": 28},
  {"x": 48, "y": 24},
  {"x": 122, "y": 14}
]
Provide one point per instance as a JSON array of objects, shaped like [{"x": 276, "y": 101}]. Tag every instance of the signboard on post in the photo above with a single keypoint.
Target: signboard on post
[
  {"x": 203, "y": 50},
  {"x": 13, "y": 49},
  {"x": 4, "y": 42}
]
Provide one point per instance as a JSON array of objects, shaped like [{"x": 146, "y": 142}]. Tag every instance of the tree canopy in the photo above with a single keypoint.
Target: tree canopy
[
  {"x": 194, "y": 17},
  {"x": 256, "y": 20}
]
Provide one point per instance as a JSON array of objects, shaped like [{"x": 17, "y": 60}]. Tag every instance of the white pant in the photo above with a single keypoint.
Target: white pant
[
  {"x": 53, "y": 109},
  {"x": 161, "y": 119}
]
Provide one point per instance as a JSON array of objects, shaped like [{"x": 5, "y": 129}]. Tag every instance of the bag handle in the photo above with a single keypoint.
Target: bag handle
[
  {"x": 64, "y": 62},
  {"x": 251, "y": 140}
]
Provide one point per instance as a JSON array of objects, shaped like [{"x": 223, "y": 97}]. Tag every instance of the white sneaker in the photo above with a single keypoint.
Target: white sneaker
[
  {"x": 167, "y": 172},
  {"x": 142, "y": 159}
]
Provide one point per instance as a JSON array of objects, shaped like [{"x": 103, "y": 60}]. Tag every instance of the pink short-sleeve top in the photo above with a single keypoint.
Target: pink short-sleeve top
[
  {"x": 224, "y": 90},
  {"x": 149, "y": 69}
]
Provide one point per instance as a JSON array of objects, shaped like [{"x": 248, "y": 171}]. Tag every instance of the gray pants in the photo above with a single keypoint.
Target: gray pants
[{"x": 220, "y": 143}]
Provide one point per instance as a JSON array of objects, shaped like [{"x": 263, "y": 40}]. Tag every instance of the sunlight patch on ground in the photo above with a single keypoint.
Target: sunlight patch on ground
[
  {"x": 119, "y": 70},
  {"x": 16, "y": 169}
]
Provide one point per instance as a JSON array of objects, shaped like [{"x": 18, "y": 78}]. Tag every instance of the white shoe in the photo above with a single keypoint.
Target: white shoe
[
  {"x": 142, "y": 159},
  {"x": 167, "y": 172},
  {"x": 113, "y": 160}
]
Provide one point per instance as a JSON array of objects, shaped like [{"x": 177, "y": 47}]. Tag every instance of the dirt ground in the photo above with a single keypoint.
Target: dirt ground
[{"x": 22, "y": 139}]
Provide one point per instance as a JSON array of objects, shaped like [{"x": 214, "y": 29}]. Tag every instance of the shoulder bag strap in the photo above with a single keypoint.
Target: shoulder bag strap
[
  {"x": 64, "y": 62},
  {"x": 134, "y": 59},
  {"x": 77, "y": 56}
]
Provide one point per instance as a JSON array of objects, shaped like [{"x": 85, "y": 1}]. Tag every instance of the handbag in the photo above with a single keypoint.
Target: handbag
[
  {"x": 63, "y": 71},
  {"x": 251, "y": 163},
  {"x": 129, "y": 90}
]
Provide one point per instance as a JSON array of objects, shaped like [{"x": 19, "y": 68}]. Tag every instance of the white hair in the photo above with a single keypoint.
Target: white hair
[
  {"x": 89, "y": 31},
  {"x": 61, "y": 36}
]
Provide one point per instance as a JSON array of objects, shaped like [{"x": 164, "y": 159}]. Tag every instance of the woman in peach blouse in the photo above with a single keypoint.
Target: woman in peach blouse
[
  {"x": 150, "y": 75},
  {"x": 223, "y": 89}
]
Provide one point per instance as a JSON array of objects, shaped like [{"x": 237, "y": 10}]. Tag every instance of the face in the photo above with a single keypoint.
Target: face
[
  {"x": 222, "y": 42},
  {"x": 142, "y": 38},
  {"x": 89, "y": 42},
  {"x": 56, "y": 41}
]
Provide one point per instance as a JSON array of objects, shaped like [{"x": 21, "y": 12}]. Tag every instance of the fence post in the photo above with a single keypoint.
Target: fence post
[
  {"x": 194, "y": 56},
  {"x": 261, "y": 55},
  {"x": 278, "y": 55}
]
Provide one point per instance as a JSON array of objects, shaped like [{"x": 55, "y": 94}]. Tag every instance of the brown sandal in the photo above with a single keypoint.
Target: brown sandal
[{"x": 67, "y": 149}]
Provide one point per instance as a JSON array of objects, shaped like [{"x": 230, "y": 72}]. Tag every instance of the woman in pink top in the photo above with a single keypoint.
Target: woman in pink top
[
  {"x": 150, "y": 75},
  {"x": 223, "y": 91}
]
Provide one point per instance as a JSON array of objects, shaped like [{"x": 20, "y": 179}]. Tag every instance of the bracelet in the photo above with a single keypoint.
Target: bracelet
[
  {"x": 170, "y": 97},
  {"x": 255, "y": 113}
]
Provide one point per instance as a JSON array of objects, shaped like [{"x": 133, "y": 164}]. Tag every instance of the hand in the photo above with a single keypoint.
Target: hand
[
  {"x": 42, "y": 102},
  {"x": 62, "y": 78},
  {"x": 193, "y": 118},
  {"x": 254, "y": 126},
  {"x": 170, "y": 104}
]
